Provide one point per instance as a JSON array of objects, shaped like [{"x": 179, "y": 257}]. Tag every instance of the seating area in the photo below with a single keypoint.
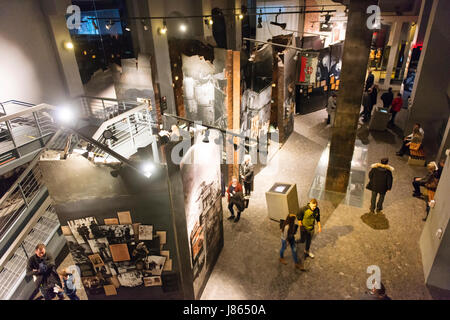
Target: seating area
[{"x": 416, "y": 157}]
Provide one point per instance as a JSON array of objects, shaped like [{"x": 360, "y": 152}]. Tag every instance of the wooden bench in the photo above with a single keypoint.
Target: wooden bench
[{"x": 416, "y": 157}]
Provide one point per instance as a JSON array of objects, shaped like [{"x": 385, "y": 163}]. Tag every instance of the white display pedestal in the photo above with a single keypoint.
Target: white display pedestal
[
  {"x": 281, "y": 200},
  {"x": 380, "y": 119}
]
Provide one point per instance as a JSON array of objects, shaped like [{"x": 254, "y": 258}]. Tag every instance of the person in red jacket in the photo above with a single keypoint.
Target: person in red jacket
[
  {"x": 234, "y": 190},
  {"x": 396, "y": 107}
]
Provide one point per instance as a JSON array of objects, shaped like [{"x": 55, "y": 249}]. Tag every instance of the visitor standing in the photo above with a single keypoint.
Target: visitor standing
[
  {"x": 247, "y": 174},
  {"x": 380, "y": 182},
  {"x": 331, "y": 108},
  {"x": 42, "y": 267},
  {"x": 288, "y": 231},
  {"x": 387, "y": 98},
  {"x": 69, "y": 285},
  {"x": 370, "y": 80},
  {"x": 307, "y": 217},
  {"x": 396, "y": 107},
  {"x": 234, "y": 190}
]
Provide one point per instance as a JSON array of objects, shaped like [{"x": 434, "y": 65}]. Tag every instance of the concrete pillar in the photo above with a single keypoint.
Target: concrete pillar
[
  {"x": 234, "y": 33},
  {"x": 394, "y": 40},
  {"x": 430, "y": 105},
  {"x": 207, "y": 29},
  {"x": 142, "y": 39},
  {"x": 161, "y": 51},
  {"x": 354, "y": 64},
  {"x": 55, "y": 12}
]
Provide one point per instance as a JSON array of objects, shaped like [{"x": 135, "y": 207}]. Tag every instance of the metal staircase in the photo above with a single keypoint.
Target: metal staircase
[{"x": 27, "y": 216}]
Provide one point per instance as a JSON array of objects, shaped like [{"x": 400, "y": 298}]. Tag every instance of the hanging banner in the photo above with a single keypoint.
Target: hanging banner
[{"x": 308, "y": 67}]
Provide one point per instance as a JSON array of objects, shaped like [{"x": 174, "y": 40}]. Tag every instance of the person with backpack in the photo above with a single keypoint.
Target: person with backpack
[
  {"x": 307, "y": 217},
  {"x": 69, "y": 285},
  {"x": 288, "y": 230}
]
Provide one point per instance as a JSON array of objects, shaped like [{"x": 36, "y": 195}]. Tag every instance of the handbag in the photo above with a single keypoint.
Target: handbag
[{"x": 414, "y": 146}]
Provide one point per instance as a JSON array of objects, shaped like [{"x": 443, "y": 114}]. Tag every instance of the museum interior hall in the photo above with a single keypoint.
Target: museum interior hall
[{"x": 229, "y": 150}]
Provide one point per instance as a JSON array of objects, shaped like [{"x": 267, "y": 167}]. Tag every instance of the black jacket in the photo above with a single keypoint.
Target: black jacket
[
  {"x": 387, "y": 98},
  {"x": 247, "y": 172},
  {"x": 380, "y": 178},
  {"x": 46, "y": 274},
  {"x": 238, "y": 200}
]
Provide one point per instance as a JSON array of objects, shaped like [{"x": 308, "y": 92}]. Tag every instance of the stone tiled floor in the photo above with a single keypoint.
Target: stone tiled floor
[{"x": 248, "y": 266}]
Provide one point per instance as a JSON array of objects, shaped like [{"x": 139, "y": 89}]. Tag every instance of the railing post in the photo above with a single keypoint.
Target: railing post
[
  {"x": 23, "y": 195},
  {"x": 104, "y": 111},
  {"x": 24, "y": 251},
  {"x": 131, "y": 132},
  {"x": 8, "y": 126},
  {"x": 39, "y": 129}
]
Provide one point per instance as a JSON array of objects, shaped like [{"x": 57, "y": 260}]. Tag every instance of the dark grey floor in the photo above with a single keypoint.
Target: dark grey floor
[{"x": 248, "y": 267}]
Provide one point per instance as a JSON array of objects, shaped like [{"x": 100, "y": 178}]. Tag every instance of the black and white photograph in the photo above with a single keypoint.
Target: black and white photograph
[
  {"x": 145, "y": 232},
  {"x": 152, "y": 281},
  {"x": 130, "y": 279},
  {"x": 121, "y": 267},
  {"x": 117, "y": 234},
  {"x": 155, "y": 264},
  {"x": 93, "y": 285},
  {"x": 101, "y": 246},
  {"x": 81, "y": 229},
  {"x": 80, "y": 252}
]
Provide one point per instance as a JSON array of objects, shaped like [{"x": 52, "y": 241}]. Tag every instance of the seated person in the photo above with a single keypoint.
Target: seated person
[
  {"x": 428, "y": 179},
  {"x": 415, "y": 137}
]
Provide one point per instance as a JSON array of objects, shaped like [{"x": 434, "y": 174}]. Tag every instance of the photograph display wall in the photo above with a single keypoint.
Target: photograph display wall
[
  {"x": 204, "y": 88},
  {"x": 110, "y": 256},
  {"x": 200, "y": 174},
  {"x": 255, "y": 112},
  {"x": 326, "y": 65}
]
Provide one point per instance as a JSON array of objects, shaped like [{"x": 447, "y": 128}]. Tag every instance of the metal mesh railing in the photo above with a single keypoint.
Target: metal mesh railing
[
  {"x": 24, "y": 132},
  {"x": 14, "y": 270}
]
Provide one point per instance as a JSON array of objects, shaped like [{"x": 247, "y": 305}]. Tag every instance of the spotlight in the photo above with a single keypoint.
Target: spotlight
[
  {"x": 109, "y": 25},
  {"x": 183, "y": 28},
  {"x": 206, "y": 138},
  {"x": 107, "y": 134},
  {"x": 163, "y": 30},
  {"x": 147, "y": 169},
  {"x": 210, "y": 21},
  {"x": 281, "y": 25},
  {"x": 65, "y": 115},
  {"x": 128, "y": 29},
  {"x": 276, "y": 23},
  {"x": 144, "y": 25},
  {"x": 241, "y": 16},
  {"x": 68, "y": 45}
]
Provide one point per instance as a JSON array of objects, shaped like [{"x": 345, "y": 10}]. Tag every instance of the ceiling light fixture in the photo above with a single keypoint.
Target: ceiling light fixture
[
  {"x": 109, "y": 25},
  {"x": 276, "y": 23},
  {"x": 68, "y": 45},
  {"x": 144, "y": 25},
  {"x": 183, "y": 28},
  {"x": 163, "y": 30}
]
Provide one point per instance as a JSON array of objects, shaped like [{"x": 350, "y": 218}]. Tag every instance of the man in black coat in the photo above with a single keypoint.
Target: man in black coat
[
  {"x": 42, "y": 266},
  {"x": 380, "y": 181},
  {"x": 387, "y": 98},
  {"x": 370, "y": 80}
]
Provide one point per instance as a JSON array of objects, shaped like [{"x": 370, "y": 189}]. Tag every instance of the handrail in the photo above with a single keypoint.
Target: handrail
[
  {"x": 108, "y": 99},
  {"x": 29, "y": 168},
  {"x": 19, "y": 103},
  {"x": 17, "y": 114},
  {"x": 116, "y": 119}
]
